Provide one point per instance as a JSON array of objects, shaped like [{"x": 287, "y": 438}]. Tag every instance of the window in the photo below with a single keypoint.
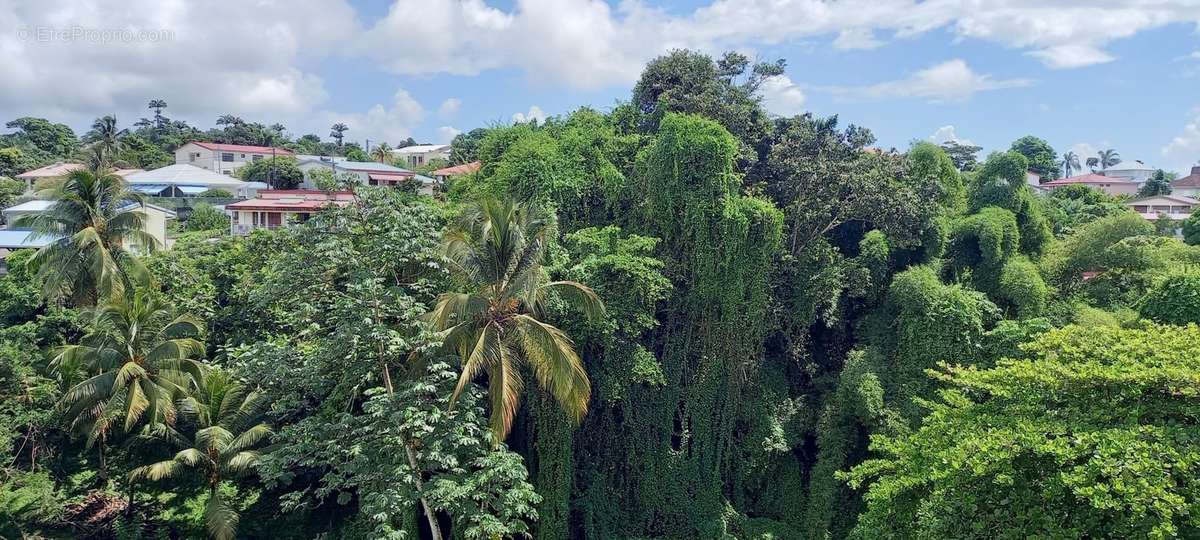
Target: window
[
  {"x": 193, "y": 155},
  {"x": 256, "y": 157},
  {"x": 235, "y": 217},
  {"x": 227, "y": 156},
  {"x": 243, "y": 156},
  {"x": 227, "y": 172}
]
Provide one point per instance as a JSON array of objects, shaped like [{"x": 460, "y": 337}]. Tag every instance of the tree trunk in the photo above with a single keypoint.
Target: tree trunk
[{"x": 435, "y": 530}]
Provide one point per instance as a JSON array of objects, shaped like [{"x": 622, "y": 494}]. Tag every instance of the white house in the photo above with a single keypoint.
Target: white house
[
  {"x": 154, "y": 221},
  {"x": 418, "y": 155},
  {"x": 182, "y": 180},
  {"x": 369, "y": 173},
  {"x": 224, "y": 158},
  {"x": 1187, "y": 186},
  {"x": 1134, "y": 171}
]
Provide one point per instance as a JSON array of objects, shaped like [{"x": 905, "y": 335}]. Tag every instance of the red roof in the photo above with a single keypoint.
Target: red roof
[
  {"x": 1191, "y": 180},
  {"x": 222, "y": 147},
  {"x": 456, "y": 170},
  {"x": 294, "y": 200},
  {"x": 1090, "y": 178}
]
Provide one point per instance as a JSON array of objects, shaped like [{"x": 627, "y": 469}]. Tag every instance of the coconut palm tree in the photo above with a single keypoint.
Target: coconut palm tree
[
  {"x": 1107, "y": 158},
  {"x": 382, "y": 153},
  {"x": 105, "y": 137},
  {"x": 1070, "y": 163},
  {"x": 94, "y": 224},
  {"x": 224, "y": 415},
  {"x": 138, "y": 357},
  {"x": 498, "y": 326},
  {"x": 229, "y": 120},
  {"x": 338, "y": 131}
]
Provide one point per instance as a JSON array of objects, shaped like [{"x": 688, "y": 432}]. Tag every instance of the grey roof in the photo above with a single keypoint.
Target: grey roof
[
  {"x": 182, "y": 173},
  {"x": 367, "y": 166}
]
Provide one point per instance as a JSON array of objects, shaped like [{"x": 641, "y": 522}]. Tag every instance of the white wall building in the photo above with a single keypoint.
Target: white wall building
[
  {"x": 224, "y": 158},
  {"x": 183, "y": 180},
  {"x": 154, "y": 221},
  {"x": 369, "y": 173},
  {"x": 416, "y": 156},
  {"x": 1134, "y": 171}
]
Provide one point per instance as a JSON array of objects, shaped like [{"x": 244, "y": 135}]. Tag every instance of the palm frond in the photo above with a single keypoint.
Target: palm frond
[
  {"x": 556, "y": 365},
  {"x": 220, "y": 520},
  {"x": 576, "y": 294}
]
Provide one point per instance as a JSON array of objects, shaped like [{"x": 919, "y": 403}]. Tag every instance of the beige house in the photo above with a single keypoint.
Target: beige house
[
  {"x": 1176, "y": 207},
  {"x": 224, "y": 158},
  {"x": 154, "y": 222},
  {"x": 60, "y": 170},
  {"x": 418, "y": 155}
]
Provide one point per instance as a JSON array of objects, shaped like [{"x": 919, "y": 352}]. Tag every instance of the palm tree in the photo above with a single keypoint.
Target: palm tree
[
  {"x": 1092, "y": 163},
  {"x": 229, "y": 120},
  {"x": 224, "y": 414},
  {"x": 498, "y": 327},
  {"x": 382, "y": 153},
  {"x": 105, "y": 137},
  {"x": 140, "y": 357},
  {"x": 94, "y": 222},
  {"x": 1070, "y": 163},
  {"x": 1107, "y": 158},
  {"x": 338, "y": 131}
]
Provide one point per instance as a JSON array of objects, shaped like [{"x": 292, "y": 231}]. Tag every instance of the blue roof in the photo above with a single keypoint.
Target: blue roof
[{"x": 21, "y": 239}]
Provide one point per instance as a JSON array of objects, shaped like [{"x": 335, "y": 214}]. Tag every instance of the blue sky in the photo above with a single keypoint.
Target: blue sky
[{"x": 1083, "y": 74}]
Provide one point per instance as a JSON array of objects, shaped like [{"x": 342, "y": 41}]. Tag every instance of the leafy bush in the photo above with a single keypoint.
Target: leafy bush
[
  {"x": 1093, "y": 436},
  {"x": 1175, "y": 299},
  {"x": 216, "y": 193},
  {"x": 205, "y": 217}
]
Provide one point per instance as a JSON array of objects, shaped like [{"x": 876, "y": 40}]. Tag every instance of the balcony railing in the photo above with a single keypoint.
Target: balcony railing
[{"x": 241, "y": 229}]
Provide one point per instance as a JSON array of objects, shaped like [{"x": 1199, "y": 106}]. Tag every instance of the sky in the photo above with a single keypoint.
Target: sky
[{"x": 1084, "y": 74}]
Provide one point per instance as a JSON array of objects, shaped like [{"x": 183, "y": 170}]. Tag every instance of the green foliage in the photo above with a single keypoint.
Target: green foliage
[
  {"x": 1071, "y": 206},
  {"x": 1174, "y": 299},
  {"x": 14, "y": 161},
  {"x": 1042, "y": 158},
  {"x": 934, "y": 167},
  {"x": 1158, "y": 184},
  {"x": 1115, "y": 458},
  {"x": 205, "y": 217},
  {"x": 216, "y": 193},
  {"x": 1001, "y": 182},
  {"x": 1191, "y": 229},
  {"x": 277, "y": 172},
  {"x": 1084, "y": 250},
  {"x": 1021, "y": 286}
]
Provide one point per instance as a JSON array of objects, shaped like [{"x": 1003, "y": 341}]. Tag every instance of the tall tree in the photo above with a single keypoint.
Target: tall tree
[
  {"x": 94, "y": 225},
  {"x": 338, "y": 132},
  {"x": 229, "y": 120},
  {"x": 224, "y": 415},
  {"x": 1042, "y": 158},
  {"x": 1156, "y": 185},
  {"x": 498, "y": 327},
  {"x": 158, "y": 105},
  {"x": 382, "y": 153},
  {"x": 143, "y": 358},
  {"x": 964, "y": 156},
  {"x": 105, "y": 138},
  {"x": 1107, "y": 158},
  {"x": 1070, "y": 163}
]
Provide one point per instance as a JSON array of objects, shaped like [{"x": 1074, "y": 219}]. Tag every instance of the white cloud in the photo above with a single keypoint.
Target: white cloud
[
  {"x": 535, "y": 113},
  {"x": 949, "y": 81},
  {"x": 447, "y": 133},
  {"x": 782, "y": 96},
  {"x": 1184, "y": 149},
  {"x": 946, "y": 134},
  {"x": 202, "y": 64},
  {"x": 856, "y": 38},
  {"x": 380, "y": 123},
  {"x": 449, "y": 107},
  {"x": 1071, "y": 56}
]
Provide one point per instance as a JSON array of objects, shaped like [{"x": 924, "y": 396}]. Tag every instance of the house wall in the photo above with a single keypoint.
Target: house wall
[
  {"x": 309, "y": 166},
  {"x": 194, "y": 154},
  {"x": 422, "y": 158},
  {"x": 1114, "y": 189},
  {"x": 1190, "y": 192},
  {"x": 244, "y": 221}
]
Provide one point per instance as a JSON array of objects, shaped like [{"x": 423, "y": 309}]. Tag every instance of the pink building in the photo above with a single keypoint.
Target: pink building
[
  {"x": 280, "y": 208},
  {"x": 1110, "y": 185}
]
